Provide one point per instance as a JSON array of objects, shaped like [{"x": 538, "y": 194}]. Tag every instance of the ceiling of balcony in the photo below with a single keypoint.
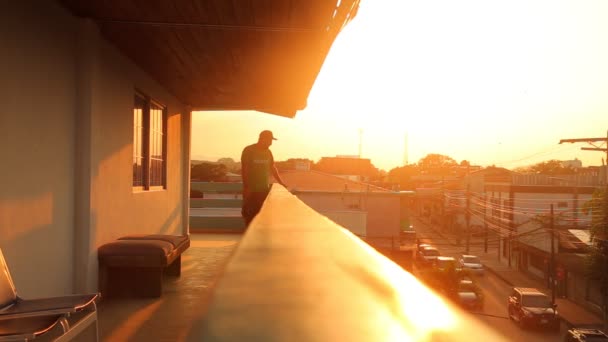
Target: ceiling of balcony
[{"x": 225, "y": 55}]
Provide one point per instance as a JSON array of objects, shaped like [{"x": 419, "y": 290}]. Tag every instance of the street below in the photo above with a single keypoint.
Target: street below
[{"x": 495, "y": 290}]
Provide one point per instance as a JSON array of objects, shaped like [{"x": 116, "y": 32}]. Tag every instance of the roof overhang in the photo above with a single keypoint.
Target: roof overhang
[{"x": 225, "y": 55}]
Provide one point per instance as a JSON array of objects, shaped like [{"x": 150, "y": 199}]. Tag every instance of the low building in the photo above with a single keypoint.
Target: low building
[
  {"x": 349, "y": 167},
  {"x": 366, "y": 210},
  {"x": 535, "y": 246}
]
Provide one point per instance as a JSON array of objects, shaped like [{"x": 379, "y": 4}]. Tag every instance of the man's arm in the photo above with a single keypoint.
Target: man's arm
[
  {"x": 277, "y": 177},
  {"x": 275, "y": 171},
  {"x": 245, "y": 172}
]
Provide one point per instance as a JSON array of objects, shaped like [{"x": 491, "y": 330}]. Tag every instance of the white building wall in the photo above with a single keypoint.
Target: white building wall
[
  {"x": 354, "y": 221},
  {"x": 37, "y": 88},
  {"x": 116, "y": 209},
  {"x": 381, "y": 210},
  {"x": 67, "y": 150},
  {"x": 529, "y": 205}
]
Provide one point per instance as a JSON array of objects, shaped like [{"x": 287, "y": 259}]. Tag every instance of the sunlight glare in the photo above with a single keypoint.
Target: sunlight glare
[
  {"x": 419, "y": 311},
  {"x": 440, "y": 71}
]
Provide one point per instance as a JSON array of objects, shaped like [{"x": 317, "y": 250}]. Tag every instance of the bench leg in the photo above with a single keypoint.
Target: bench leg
[
  {"x": 133, "y": 282},
  {"x": 150, "y": 281},
  {"x": 102, "y": 280},
  {"x": 175, "y": 269}
]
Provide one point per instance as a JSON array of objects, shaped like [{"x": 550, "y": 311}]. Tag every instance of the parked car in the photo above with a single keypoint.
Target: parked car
[
  {"x": 531, "y": 308},
  {"x": 585, "y": 335},
  {"x": 426, "y": 256},
  {"x": 471, "y": 263}
]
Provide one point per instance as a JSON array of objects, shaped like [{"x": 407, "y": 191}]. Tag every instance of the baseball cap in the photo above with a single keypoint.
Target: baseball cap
[{"x": 267, "y": 134}]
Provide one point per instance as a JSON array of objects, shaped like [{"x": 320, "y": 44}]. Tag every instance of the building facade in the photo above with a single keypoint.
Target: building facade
[
  {"x": 366, "y": 210},
  {"x": 77, "y": 171}
]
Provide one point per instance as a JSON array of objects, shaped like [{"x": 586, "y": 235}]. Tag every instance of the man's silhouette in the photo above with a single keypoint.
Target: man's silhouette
[{"x": 257, "y": 164}]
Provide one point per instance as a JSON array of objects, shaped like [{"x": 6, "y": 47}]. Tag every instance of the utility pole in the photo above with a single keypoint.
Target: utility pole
[
  {"x": 501, "y": 239},
  {"x": 443, "y": 215},
  {"x": 552, "y": 269},
  {"x": 467, "y": 213},
  {"x": 509, "y": 246},
  {"x": 360, "y": 142},
  {"x": 575, "y": 213},
  {"x": 592, "y": 142},
  {"x": 467, "y": 216},
  {"x": 485, "y": 223}
]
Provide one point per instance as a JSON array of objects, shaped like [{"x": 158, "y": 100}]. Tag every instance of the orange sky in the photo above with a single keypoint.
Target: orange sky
[{"x": 490, "y": 82}]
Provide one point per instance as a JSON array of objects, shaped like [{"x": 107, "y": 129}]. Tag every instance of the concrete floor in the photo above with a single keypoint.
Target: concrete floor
[{"x": 178, "y": 313}]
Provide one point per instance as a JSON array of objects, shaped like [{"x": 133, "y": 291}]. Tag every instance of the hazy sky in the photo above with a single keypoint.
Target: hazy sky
[{"x": 492, "y": 82}]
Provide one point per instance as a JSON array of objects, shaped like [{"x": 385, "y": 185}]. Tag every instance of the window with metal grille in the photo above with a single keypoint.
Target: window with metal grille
[{"x": 149, "y": 144}]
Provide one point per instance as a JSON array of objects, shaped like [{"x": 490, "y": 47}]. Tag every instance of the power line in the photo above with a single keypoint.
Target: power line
[{"x": 537, "y": 154}]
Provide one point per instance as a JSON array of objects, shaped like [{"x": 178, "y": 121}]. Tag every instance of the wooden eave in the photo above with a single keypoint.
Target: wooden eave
[{"x": 225, "y": 55}]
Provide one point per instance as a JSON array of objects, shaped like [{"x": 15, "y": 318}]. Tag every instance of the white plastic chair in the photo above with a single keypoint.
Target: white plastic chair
[{"x": 26, "y": 319}]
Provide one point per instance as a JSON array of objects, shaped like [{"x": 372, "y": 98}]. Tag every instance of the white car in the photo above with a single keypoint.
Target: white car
[{"x": 471, "y": 263}]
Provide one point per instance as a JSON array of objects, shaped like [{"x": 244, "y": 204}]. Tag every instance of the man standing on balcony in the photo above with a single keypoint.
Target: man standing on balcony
[{"x": 257, "y": 164}]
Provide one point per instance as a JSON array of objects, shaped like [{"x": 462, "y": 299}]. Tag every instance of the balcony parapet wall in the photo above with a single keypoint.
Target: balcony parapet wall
[{"x": 298, "y": 276}]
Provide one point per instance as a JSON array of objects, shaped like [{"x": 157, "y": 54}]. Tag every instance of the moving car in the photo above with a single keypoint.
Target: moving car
[
  {"x": 532, "y": 308},
  {"x": 441, "y": 273},
  {"x": 471, "y": 263},
  {"x": 584, "y": 334},
  {"x": 443, "y": 263},
  {"x": 407, "y": 236},
  {"x": 422, "y": 246},
  {"x": 469, "y": 296},
  {"x": 426, "y": 256}
]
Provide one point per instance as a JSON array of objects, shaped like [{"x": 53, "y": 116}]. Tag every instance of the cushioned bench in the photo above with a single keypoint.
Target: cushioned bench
[{"x": 134, "y": 265}]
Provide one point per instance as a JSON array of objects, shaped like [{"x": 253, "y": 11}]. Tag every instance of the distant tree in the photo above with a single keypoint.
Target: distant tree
[
  {"x": 231, "y": 164},
  {"x": 597, "y": 258},
  {"x": 402, "y": 176},
  {"x": 465, "y": 163},
  {"x": 208, "y": 172},
  {"x": 377, "y": 175},
  {"x": 436, "y": 164},
  {"x": 434, "y": 160},
  {"x": 226, "y": 161},
  {"x": 549, "y": 167}
]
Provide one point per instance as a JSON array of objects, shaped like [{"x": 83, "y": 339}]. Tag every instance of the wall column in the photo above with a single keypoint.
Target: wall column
[
  {"x": 186, "y": 144},
  {"x": 86, "y": 56}
]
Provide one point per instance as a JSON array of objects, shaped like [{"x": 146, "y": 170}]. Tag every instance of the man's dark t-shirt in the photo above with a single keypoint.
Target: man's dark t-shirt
[{"x": 257, "y": 162}]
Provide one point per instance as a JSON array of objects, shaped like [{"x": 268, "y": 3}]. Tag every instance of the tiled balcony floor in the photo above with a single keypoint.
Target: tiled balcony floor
[{"x": 178, "y": 313}]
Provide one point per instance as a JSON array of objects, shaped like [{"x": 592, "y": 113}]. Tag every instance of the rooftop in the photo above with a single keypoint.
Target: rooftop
[{"x": 302, "y": 180}]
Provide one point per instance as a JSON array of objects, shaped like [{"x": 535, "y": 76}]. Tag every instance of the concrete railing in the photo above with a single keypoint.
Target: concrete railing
[
  {"x": 220, "y": 208},
  {"x": 298, "y": 276},
  {"x": 217, "y": 187}
]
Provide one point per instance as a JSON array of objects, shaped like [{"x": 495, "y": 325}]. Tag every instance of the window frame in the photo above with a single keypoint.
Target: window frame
[{"x": 147, "y": 135}]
